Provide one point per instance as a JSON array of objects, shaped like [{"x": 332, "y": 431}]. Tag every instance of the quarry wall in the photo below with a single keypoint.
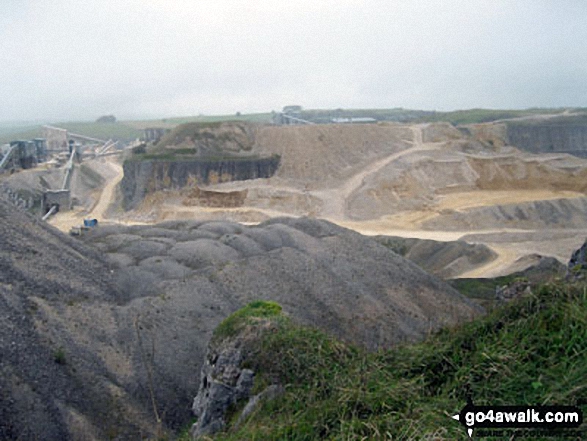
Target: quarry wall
[
  {"x": 549, "y": 138},
  {"x": 142, "y": 177}
]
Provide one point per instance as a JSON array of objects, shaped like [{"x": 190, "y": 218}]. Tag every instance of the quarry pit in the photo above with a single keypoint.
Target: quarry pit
[{"x": 427, "y": 181}]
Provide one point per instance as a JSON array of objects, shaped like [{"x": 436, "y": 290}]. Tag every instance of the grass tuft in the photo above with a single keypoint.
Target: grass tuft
[
  {"x": 246, "y": 316},
  {"x": 59, "y": 356}
]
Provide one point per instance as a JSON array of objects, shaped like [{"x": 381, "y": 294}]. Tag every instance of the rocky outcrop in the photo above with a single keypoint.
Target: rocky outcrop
[
  {"x": 440, "y": 132},
  {"x": 579, "y": 258},
  {"x": 223, "y": 383},
  {"x": 577, "y": 266},
  {"x": 226, "y": 384},
  {"x": 517, "y": 288},
  {"x": 142, "y": 177}
]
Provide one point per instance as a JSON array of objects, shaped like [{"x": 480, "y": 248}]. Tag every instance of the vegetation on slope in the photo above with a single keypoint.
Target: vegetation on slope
[
  {"x": 456, "y": 117},
  {"x": 212, "y": 136},
  {"x": 12, "y": 133},
  {"x": 483, "y": 290},
  {"x": 475, "y": 116},
  {"x": 246, "y": 316},
  {"x": 105, "y": 131},
  {"x": 250, "y": 117},
  {"x": 579, "y": 120},
  {"x": 530, "y": 352},
  {"x": 189, "y": 154}
]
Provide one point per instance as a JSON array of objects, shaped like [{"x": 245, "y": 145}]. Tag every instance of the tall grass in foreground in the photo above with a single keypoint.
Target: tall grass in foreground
[{"x": 530, "y": 352}]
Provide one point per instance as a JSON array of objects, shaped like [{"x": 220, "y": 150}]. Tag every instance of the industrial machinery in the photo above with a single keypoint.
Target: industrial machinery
[{"x": 25, "y": 153}]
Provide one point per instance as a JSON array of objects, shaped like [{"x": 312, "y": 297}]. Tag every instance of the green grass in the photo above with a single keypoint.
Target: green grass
[
  {"x": 246, "y": 316},
  {"x": 59, "y": 356},
  {"x": 8, "y": 134},
  {"x": 171, "y": 156},
  {"x": 560, "y": 121},
  {"x": 185, "y": 151},
  {"x": 250, "y": 117},
  {"x": 531, "y": 352},
  {"x": 482, "y": 288},
  {"x": 130, "y": 130},
  {"x": 105, "y": 131},
  {"x": 468, "y": 116}
]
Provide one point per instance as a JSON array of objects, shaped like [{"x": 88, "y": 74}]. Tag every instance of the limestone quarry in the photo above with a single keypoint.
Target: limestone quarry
[
  {"x": 352, "y": 228},
  {"x": 430, "y": 181}
]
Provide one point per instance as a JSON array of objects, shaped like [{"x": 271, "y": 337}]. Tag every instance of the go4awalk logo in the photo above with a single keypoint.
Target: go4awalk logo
[{"x": 548, "y": 418}]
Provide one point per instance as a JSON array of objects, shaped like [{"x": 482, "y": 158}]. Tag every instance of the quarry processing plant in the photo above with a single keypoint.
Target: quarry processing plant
[
  {"x": 52, "y": 193},
  {"x": 22, "y": 154}
]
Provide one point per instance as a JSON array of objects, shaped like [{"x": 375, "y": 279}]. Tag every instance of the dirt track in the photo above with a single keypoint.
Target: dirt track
[
  {"x": 108, "y": 194},
  {"x": 113, "y": 175},
  {"x": 335, "y": 199}
]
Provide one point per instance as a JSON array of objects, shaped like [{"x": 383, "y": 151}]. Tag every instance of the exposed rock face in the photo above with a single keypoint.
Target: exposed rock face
[
  {"x": 550, "y": 136},
  {"x": 491, "y": 135},
  {"x": 323, "y": 276},
  {"x": 537, "y": 269},
  {"x": 577, "y": 266},
  {"x": 272, "y": 392},
  {"x": 512, "y": 291},
  {"x": 440, "y": 132},
  {"x": 415, "y": 181},
  {"x": 144, "y": 177},
  {"x": 226, "y": 383},
  {"x": 564, "y": 134},
  {"x": 579, "y": 257}
]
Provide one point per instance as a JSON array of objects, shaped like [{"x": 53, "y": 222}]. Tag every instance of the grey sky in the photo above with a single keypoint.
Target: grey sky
[{"x": 72, "y": 59}]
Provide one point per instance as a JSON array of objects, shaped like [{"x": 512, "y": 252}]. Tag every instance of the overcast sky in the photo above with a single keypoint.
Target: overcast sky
[{"x": 72, "y": 59}]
